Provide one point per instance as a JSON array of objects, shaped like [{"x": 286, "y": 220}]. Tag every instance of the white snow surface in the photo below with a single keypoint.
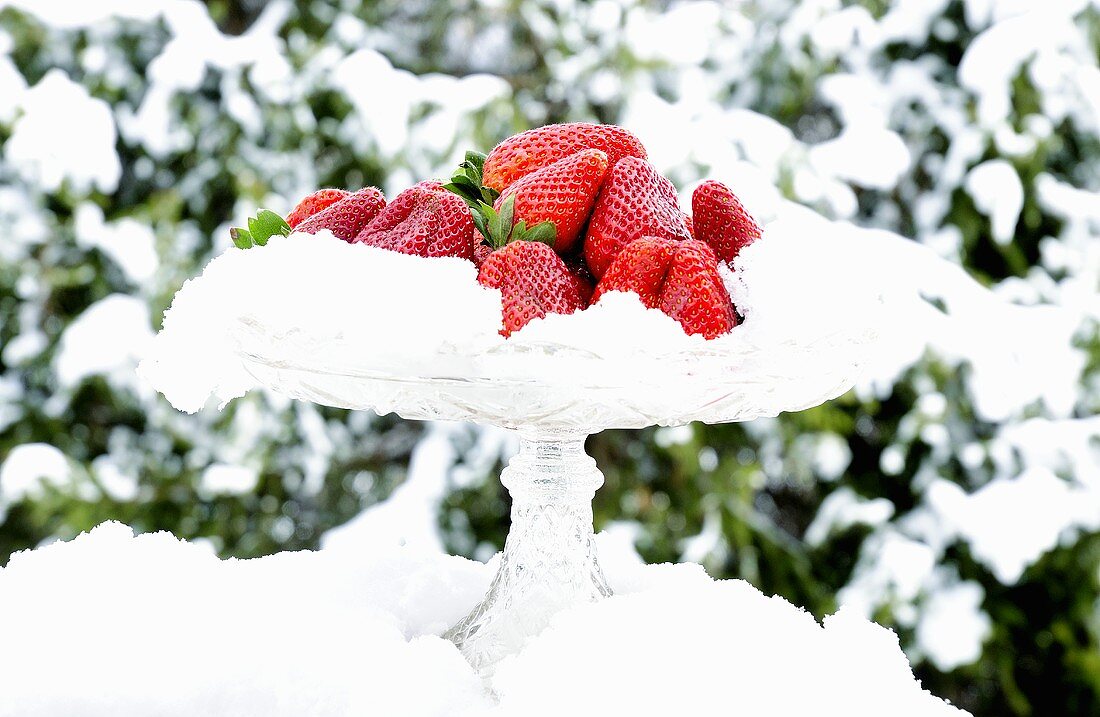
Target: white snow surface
[
  {"x": 226, "y": 479},
  {"x": 180, "y": 632},
  {"x": 63, "y": 133},
  {"x": 108, "y": 338},
  {"x": 952, "y": 627},
  {"x": 27, "y": 468},
  {"x": 312, "y": 290},
  {"x": 997, "y": 191},
  {"x": 1011, "y": 523},
  {"x": 130, "y": 244}
]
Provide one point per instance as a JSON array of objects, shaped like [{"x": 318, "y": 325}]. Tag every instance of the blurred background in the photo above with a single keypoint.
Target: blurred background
[{"x": 959, "y": 506}]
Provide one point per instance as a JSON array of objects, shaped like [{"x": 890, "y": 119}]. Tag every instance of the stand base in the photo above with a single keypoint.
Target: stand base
[{"x": 549, "y": 561}]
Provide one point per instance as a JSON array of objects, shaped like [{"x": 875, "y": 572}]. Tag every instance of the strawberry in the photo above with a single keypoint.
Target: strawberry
[
  {"x": 561, "y": 193},
  {"x": 721, "y": 220},
  {"x": 347, "y": 217},
  {"x": 579, "y": 269},
  {"x": 533, "y": 282},
  {"x": 678, "y": 277},
  {"x": 534, "y": 149},
  {"x": 314, "y": 203},
  {"x": 635, "y": 201},
  {"x": 690, "y": 224},
  {"x": 481, "y": 252},
  {"x": 424, "y": 220}
]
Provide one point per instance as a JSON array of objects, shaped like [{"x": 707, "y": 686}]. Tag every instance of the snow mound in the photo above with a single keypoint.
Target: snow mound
[
  {"x": 312, "y": 290},
  {"x": 166, "y": 628}
]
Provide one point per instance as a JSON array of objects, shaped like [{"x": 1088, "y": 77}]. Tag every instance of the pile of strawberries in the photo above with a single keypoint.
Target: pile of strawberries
[{"x": 554, "y": 218}]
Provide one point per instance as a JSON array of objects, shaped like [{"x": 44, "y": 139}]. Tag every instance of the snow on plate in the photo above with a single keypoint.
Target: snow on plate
[
  {"x": 112, "y": 624},
  {"x": 320, "y": 306}
]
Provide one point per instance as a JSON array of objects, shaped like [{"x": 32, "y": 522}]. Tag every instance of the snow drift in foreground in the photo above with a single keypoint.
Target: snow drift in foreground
[{"x": 110, "y": 624}]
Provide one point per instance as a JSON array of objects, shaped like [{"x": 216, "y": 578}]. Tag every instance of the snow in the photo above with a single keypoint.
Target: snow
[
  {"x": 64, "y": 134},
  {"x": 385, "y": 127},
  {"x": 617, "y": 327},
  {"x": 844, "y": 508},
  {"x": 180, "y": 632},
  {"x": 12, "y": 86},
  {"x": 117, "y": 482},
  {"x": 1068, "y": 447},
  {"x": 1017, "y": 354},
  {"x": 894, "y": 567},
  {"x": 225, "y": 479},
  {"x": 340, "y": 316},
  {"x": 996, "y": 55},
  {"x": 1018, "y": 360},
  {"x": 866, "y": 156},
  {"x": 952, "y": 627},
  {"x": 408, "y": 516},
  {"x": 1011, "y": 523},
  {"x": 66, "y": 14},
  {"x": 130, "y": 244},
  {"x": 673, "y": 436},
  {"x": 27, "y": 468},
  {"x": 341, "y": 291},
  {"x": 706, "y": 542},
  {"x": 998, "y": 193},
  {"x": 108, "y": 338},
  {"x": 197, "y": 45},
  {"x": 831, "y": 456}
]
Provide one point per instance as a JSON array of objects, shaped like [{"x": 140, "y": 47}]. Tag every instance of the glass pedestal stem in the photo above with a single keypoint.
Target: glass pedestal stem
[{"x": 549, "y": 560}]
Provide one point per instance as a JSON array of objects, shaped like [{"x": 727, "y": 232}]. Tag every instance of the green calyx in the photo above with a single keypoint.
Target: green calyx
[
  {"x": 496, "y": 227},
  {"x": 466, "y": 182},
  {"x": 498, "y": 230},
  {"x": 261, "y": 227}
]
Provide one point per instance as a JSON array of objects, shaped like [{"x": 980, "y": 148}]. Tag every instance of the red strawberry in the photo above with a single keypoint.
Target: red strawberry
[
  {"x": 481, "y": 251},
  {"x": 533, "y": 282},
  {"x": 721, "y": 220},
  {"x": 424, "y": 220},
  {"x": 579, "y": 269},
  {"x": 314, "y": 203},
  {"x": 678, "y": 277},
  {"x": 347, "y": 217},
  {"x": 528, "y": 151},
  {"x": 635, "y": 201},
  {"x": 561, "y": 193},
  {"x": 690, "y": 224}
]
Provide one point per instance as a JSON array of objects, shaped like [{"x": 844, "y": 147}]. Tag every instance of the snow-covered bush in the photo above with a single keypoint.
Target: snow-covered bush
[{"x": 954, "y": 496}]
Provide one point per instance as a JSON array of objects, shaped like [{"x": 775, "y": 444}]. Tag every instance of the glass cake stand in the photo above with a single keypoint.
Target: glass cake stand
[{"x": 554, "y": 397}]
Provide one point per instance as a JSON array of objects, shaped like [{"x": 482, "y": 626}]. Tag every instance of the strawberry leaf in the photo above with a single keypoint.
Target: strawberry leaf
[
  {"x": 270, "y": 224},
  {"x": 475, "y": 160},
  {"x": 479, "y": 222},
  {"x": 261, "y": 227},
  {"x": 466, "y": 182},
  {"x": 497, "y": 235},
  {"x": 467, "y": 189},
  {"x": 544, "y": 232},
  {"x": 242, "y": 238},
  {"x": 507, "y": 213}
]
